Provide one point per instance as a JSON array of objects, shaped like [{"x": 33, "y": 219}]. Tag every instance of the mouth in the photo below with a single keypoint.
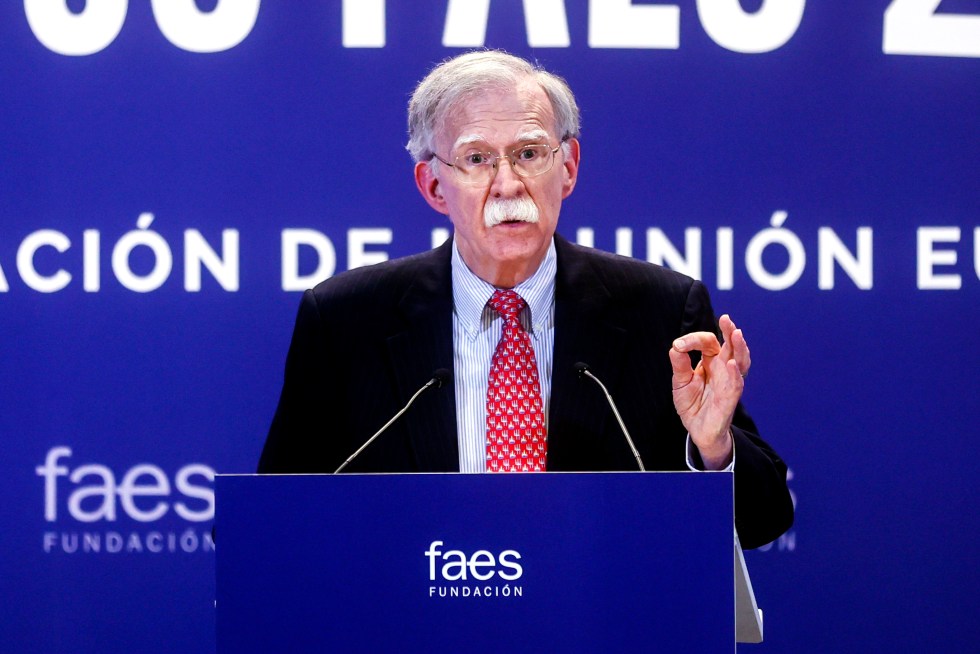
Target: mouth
[{"x": 512, "y": 222}]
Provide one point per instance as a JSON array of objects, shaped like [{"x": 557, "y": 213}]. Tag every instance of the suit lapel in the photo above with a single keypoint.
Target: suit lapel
[
  {"x": 423, "y": 345},
  {"x": 586, "y": 331}
]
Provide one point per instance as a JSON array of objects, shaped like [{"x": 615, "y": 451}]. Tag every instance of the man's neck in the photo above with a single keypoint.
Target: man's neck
[{"x": 506, "y": 274}]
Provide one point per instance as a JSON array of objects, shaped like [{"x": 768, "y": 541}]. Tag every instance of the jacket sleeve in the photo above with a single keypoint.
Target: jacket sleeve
[{"x": 763, "y": 506}]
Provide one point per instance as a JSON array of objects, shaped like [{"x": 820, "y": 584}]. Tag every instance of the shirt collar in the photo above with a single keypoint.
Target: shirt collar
[{"x": 470, "y": 295}]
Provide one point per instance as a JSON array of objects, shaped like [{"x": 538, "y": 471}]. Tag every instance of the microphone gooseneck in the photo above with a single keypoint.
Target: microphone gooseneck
[
  {"x": 583, "y": 371},
  {"x": 439, "y": 378}
]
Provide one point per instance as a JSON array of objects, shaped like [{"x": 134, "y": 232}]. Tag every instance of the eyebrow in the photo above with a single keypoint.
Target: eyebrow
[
  {"x": 524, "y": 137},
  {"x": 466, "y": 140},
  {"x": 533, "y": 135}
]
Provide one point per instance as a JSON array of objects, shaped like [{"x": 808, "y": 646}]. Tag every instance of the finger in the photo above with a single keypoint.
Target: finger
[
  {"x": 704, "y": 342},
  {"x": 735, "y": 383},
  {"x": 742, "y": 355},
  {"x": 727, "y": 327},
  {"x": 726, "y": 386}
]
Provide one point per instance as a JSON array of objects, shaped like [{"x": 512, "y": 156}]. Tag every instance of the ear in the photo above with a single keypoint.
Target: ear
[
  {"x": 570, "y": 166},
  {"x": 430, "y": 186}
]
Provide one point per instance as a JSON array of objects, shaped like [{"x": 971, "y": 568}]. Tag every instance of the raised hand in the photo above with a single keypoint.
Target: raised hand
[{"x": 705, "y": 397}]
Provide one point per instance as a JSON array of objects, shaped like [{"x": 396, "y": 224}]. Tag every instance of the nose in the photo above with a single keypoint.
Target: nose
[{"x": 506, "y": 183}]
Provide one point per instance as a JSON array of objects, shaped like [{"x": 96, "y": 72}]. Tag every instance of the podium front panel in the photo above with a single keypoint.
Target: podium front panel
[{"x": 583, "y": 562}]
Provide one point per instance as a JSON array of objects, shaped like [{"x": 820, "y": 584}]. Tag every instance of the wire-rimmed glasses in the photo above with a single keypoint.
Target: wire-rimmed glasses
[{"x": 478, "y": 168}]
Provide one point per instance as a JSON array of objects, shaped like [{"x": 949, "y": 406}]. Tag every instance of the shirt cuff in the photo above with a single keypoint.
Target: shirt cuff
[{"x": 694, "y": 458}]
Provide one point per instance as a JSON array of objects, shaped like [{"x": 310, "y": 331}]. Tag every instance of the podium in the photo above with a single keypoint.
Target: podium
[{"x": 572, "y": 562}]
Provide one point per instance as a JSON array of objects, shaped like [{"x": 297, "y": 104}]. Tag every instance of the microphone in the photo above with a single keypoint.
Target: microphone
[
  {"x": 440, "y": 378},
  {"x": 583, "y": 371}
]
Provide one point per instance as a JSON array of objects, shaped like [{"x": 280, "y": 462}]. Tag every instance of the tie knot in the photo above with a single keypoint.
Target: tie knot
[{"x": 507, "y": 303}]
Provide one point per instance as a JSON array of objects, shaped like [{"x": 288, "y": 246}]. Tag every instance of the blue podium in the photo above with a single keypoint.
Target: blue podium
[{"x": 571, "y": 562}]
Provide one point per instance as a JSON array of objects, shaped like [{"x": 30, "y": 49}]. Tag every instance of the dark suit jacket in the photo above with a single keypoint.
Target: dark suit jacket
[{"x": 367, "y": 339}]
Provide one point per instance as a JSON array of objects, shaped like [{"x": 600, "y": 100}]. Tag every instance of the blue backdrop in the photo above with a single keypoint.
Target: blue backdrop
[{"x": 172, "y": 172}]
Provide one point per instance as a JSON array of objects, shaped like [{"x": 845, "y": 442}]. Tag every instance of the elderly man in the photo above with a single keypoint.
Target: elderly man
[{"x": 512, "y": 308}]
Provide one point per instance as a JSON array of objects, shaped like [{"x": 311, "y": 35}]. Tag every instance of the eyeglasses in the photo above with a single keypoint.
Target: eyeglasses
[{"x": 479, "y": 168}]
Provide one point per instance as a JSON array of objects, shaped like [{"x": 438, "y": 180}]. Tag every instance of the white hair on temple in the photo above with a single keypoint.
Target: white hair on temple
[{"x": 457, "y": 79}]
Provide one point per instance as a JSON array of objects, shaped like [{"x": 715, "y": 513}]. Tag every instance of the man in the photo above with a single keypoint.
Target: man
[{"x": 511, "y": 308}]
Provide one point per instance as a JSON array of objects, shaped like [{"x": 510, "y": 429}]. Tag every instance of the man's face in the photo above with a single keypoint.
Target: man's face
[{"x": 500, "y": 121}]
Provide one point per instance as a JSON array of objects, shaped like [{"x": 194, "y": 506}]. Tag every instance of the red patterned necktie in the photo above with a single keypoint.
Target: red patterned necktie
[{"x": 516, "y": 435}]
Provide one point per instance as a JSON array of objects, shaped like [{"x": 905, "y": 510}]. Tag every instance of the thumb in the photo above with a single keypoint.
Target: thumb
[{"x": 680, "y": 362}]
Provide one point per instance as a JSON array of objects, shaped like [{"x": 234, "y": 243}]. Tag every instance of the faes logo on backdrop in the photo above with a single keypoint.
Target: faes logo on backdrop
[
  {"x": 93, "y": 494},
  {"x": 482, "y": 573}
]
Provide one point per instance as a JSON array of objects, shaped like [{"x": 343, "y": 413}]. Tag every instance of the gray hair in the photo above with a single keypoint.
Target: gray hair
[{"x": 457, "y": 79}]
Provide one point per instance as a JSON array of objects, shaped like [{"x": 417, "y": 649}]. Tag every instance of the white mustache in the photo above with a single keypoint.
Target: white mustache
[{"x": 520, "y": 209}]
